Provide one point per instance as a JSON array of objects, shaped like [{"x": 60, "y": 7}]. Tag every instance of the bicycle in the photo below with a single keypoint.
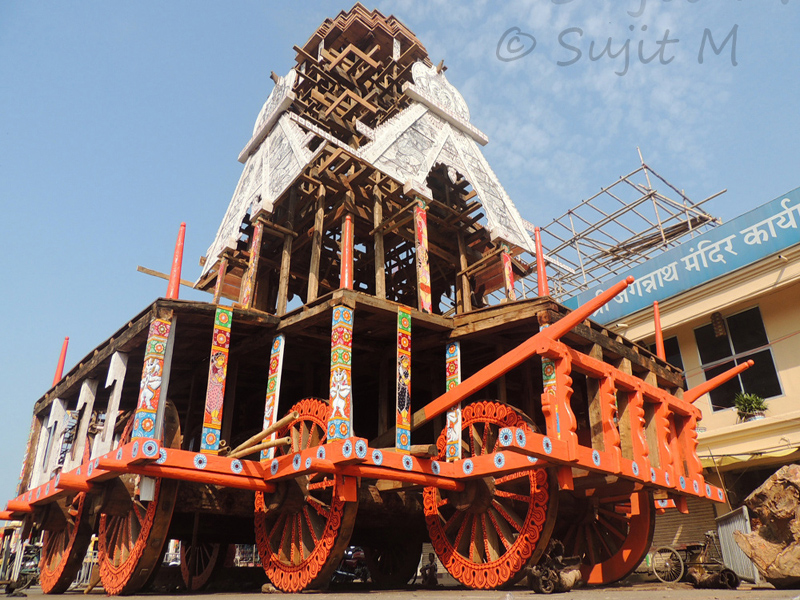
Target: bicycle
[{"x": 669, "y": 566}]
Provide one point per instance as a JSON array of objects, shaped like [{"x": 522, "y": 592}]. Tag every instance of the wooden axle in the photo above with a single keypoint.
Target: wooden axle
[
  {"x": 284, "y": 441},
  {"x": 292, "y": 416}
]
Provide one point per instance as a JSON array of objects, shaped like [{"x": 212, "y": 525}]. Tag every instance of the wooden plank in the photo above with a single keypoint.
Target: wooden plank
[
  {"x": 283, "y": 282},
  {"x": 595, "y": 404},
  {"x": 624, "y": 401},
  {"x": 380, "y": 269},
  {"x": 316, "y": 247}
]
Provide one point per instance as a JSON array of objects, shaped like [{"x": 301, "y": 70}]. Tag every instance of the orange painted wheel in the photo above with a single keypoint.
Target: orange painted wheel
[
  {"x": 64, "y": 549},
  {"x": 487, "y": 534},
  {"x": 611, "y": 535},
  {"x": 303, "y": 528},
  {"x": 133, "y": 531}
]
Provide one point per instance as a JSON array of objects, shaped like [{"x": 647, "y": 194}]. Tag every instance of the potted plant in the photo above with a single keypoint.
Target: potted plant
[{"x": 749, "y": 406}]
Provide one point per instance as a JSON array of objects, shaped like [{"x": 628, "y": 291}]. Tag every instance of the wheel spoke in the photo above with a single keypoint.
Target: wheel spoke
[
  {"x": 320, "y": 485},
  {"x": 513, "y": 496},
  {"x": 601, "y": 538},
  {"x": 491, "y": 541},
  {"x": 458, "y": 542},
  {"x": 501, "y": 527},
  {"x": 511, "y": 477},
  {"x": 279, "y": 526},
  {"x": 620, "y": 535},
  {"x": 318, "y": 505},
  {"x": 450, "y": 523},
  {"x": 508, "y": 514},
  {"x": 613, "y": 514},
  {"x": 314, "y": 529}
]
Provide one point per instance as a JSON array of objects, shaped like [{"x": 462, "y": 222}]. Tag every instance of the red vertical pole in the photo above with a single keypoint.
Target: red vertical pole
[
  {"x": 541, "y": 273},
  {"x": 177, "y": 259},
  {"x": 660, "y": 352},
  {"x": 61, "y": 359},
  {"x": 346, "y": 272}
]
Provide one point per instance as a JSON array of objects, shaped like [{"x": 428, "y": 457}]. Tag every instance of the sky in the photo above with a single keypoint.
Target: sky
[{"x": 119, "y": 120}]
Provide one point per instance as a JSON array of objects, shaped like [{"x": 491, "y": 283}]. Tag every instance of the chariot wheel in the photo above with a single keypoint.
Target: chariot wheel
[
  {"x": 486, "y": 535},
  {"x": 133, "y": 531},
  {"x": 303, "y": 528},
  {"x": 667, "y": 565},
  {"x": 611, "y": 535},
  {"x": 393, "y": 564},
  {"x": 200, "y": 562},
  {"x": 64, "y": 547}
]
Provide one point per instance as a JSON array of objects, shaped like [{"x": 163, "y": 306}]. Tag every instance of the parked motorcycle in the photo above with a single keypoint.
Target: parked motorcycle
[{"x": 353, "y": 567}]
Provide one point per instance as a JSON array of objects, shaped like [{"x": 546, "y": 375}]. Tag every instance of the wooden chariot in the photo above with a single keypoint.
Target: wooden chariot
[{"x": 366, "y": 217}]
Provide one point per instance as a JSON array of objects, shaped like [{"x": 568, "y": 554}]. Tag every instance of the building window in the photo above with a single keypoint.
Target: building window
[
  {"x": 672, "y": 352},
  {"x": 743, "y": 338}
]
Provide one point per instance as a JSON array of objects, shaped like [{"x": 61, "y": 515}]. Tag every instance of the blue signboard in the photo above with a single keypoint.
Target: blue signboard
[{"x": 746, "y": 239}]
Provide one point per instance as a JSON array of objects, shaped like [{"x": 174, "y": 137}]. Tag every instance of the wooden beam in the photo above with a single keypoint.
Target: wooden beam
[
  {"x": 380, "y": 269},
  {"x": 160, "y": 275},
  {"x": 316, "y": 247}
]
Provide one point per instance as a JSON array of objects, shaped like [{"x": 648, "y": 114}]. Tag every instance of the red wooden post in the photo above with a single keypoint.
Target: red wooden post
[
  {"x": 666, "y": 454},
  {"x": 693, "y": 394},
  {"x": 346, "y": 274},
  {"x": 173, "y": 288},
  {"x": 659, "y": 336},
  {"x": 608, "y": 410},
  {"x": 641, "y": 451},
  {"x": 61, "y": 360},
  {"x": 541, "y": 273}
]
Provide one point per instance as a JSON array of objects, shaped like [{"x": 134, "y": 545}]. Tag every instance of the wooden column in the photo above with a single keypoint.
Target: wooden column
[
  {"x": 340, "y": 416},
  {"x": 286, "y": 258},
  {"x": 595, "y": 400},
  {"x": 453, "y": 421},
  {"x": 273, "y": 390},
  {"x": 346, "y": 253},
  {"x": 403, "y": 421},
  {"x": 249, "y": 280},
  {"x": 217, "y": 374},
  {"x": 316, "y": 247},
  {"x": 508, "y": 275},
  {"x": 223, "y": 270},
  {"x": 463, "y": 283},
  {"x": 283, "y": 284},
  {"x": 380, "y": 267},
  {"x": 423, "y": 267}
]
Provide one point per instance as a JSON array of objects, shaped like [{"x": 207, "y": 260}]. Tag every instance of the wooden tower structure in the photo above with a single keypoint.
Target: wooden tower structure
[{"x": 366, "y": 217}]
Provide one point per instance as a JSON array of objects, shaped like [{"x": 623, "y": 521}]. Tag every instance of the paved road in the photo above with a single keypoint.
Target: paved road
[{"x": 640, "y": 590}]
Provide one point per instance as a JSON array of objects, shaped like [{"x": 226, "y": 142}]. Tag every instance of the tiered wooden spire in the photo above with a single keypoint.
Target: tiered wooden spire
[{"x": 353, "y": 69}]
